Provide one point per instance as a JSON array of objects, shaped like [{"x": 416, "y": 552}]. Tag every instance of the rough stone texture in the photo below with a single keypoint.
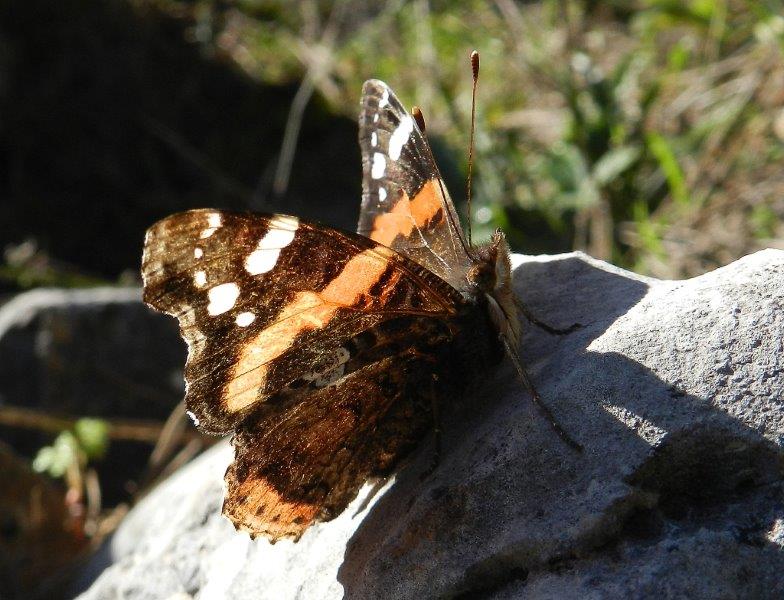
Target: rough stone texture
[
  {"x": 674, "y": 389},
  {"x": 89, "y": 352}
]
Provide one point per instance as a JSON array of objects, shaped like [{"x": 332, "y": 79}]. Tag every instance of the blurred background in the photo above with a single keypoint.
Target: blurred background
[{"x": 649, "y": 133}]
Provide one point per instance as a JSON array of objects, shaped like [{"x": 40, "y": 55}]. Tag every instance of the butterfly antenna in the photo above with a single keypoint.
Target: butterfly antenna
[
  {"x": 475, "y": 74},
  {"x": 543, "y": 408}
]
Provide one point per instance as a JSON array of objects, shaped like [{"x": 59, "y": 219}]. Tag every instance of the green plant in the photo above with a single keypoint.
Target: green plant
[
  {"x": 615, "y": 129},
  {"x": 72, "y": 450}
]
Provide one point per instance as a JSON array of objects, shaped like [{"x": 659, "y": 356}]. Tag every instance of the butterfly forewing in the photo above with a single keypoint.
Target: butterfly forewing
[
  {"x": 405, "y": 204},
  {"x": 265, "y": 300}
]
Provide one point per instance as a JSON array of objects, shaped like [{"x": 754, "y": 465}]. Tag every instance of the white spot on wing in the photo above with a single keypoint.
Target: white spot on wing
[
  {"x": 245, "y": 319},
  {"x": 200, "y": 278},
  {"x": 382, "y": 194},
  {"x": 198, "y": 253},
  {"x": 332, "y": 370},
  {"x": 384, "y": 98},
  {"x": 331, "y": 376},
  {"x": 276, "y": 239},
  {"x": 214, "y": 220},
  {"x": 379, "y": 166},
  {"x": 281, "y": 234},
  {"x": 193, "y": 417},
  {"x": 374, "y": 139},
  {"x": 222, "y": 298},
  {"x": 400, "y": 136},
  {"x": 261, "y": 261},
  {"x": 286, "y": 222},
  {"x": 375, "y": 118}
]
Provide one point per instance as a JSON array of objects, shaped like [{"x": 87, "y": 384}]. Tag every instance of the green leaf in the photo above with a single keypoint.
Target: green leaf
[
  {"x": 57, "y": 458},
  {"x": 93, "y": 436},
  {"x": 44, "y": 459},
  {"x": 647, "y": 230},
  {"x": 662, "y": 151},
  {"x": 613, "y": 163},
  {"x": 764, "y": 220},
  {"x": 678, "y": 56},
  {"x": 566, "y": 166}
]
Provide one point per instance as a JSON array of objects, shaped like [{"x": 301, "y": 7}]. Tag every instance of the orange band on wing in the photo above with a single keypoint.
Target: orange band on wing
[
  {"x": 421, "y": 212},
  {"x": 255, "y": 506},
  {"x": 308, "y": 310}
]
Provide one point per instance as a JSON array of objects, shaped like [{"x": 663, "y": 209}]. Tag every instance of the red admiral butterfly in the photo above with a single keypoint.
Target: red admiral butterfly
[{"x": 325, "y": 352}]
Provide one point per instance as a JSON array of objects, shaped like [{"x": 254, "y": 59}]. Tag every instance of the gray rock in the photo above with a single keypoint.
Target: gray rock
[
  {"x": 673, "y": 388},
  {"x": 97, "y": 352}
]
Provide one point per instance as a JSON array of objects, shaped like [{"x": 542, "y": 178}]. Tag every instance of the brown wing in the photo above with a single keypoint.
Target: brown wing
[
  {"x": 265, "y": 300},
  {"x": 405, "y": 204},
  {"x": 306, "y": 459}
]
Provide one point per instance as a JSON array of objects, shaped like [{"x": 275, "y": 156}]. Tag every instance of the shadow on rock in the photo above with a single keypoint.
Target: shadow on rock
[{"x": 510, "y": 508}]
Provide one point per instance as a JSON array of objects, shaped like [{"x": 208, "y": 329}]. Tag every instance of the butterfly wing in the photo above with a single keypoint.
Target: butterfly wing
[
  {"x": 405, "y": 204},
  {"x": 317, "y": 347},
  {"x": 307, "y": 462},
  {"x": 264, "y": 301}
]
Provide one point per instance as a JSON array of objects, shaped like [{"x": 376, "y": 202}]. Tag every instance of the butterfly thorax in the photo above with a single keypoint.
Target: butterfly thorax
[
  {"x": 489, "y": 281},
  {"x": 482, "y": 275}
]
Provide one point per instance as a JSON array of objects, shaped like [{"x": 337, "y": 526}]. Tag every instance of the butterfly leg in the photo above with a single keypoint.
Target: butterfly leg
[
  {"x": 544, "y": 410},
  {"x": 434, "y": 407},
  {"x": 542, "y": 325}
]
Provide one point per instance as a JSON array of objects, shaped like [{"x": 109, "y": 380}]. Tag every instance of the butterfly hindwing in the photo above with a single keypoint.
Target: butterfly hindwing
[
  {"x": 405, "y": 204},
  {"x": 307, "y": 458},
  {"x": 266, "y": 300}
]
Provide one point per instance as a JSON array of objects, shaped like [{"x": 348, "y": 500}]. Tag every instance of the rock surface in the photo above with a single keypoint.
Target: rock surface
[
  {"x": 97, "y": 352},
  {"x": 675, "y": 391}
]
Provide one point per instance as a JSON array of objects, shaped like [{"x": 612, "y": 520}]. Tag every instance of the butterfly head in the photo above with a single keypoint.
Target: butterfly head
[{"x": 491, "y": 275}]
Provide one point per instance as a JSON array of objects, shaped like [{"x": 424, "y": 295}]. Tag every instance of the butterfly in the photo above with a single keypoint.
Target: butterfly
[{"x": 327, "y": 353}]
